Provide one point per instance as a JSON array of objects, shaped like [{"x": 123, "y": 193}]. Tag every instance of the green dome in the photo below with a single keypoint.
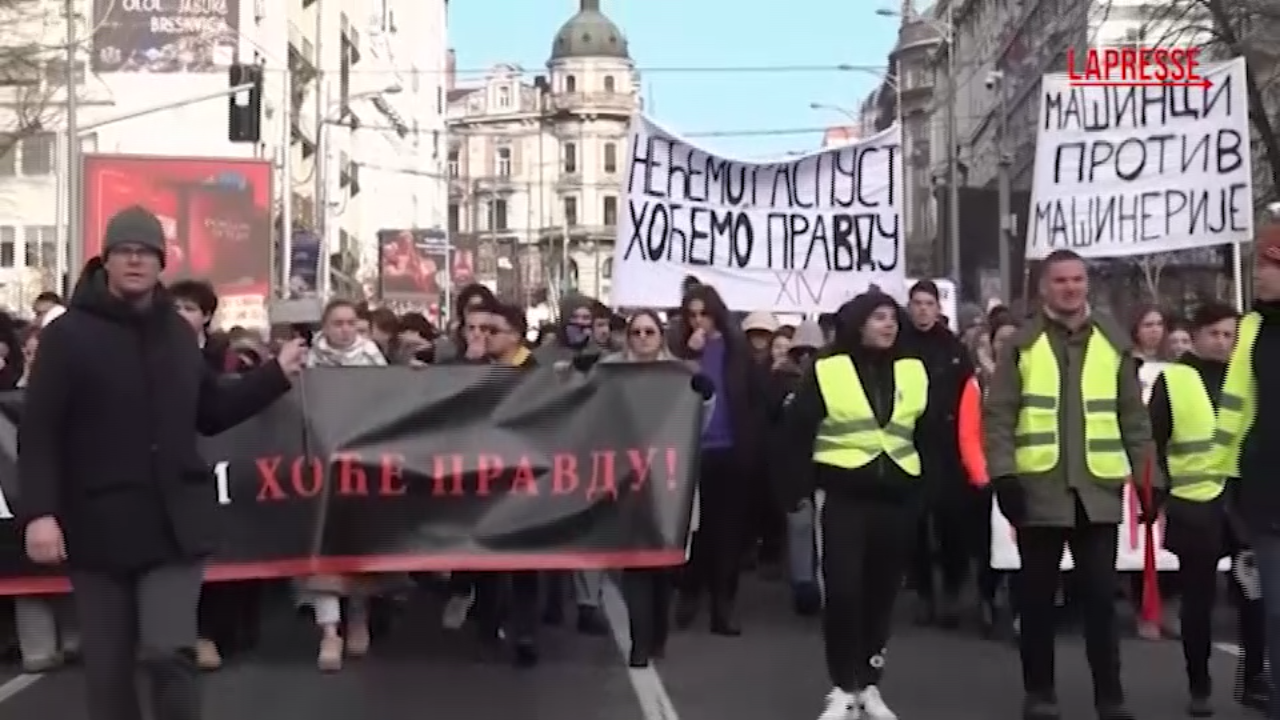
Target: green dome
[{"x": 589, "y": 34}]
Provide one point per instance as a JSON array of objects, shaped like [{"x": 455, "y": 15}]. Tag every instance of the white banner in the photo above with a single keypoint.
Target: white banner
[
  {"x": 1132, "y": 170},
  {"x": 1132, "y": 547},
  {"x": 798, "y": 235}
]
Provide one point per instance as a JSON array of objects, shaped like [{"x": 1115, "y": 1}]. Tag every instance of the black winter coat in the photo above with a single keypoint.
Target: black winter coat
[{"x": 107, "y": 442}]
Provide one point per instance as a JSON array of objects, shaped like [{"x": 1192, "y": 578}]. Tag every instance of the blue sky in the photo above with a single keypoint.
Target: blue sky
[{"x": 703, "y": 34}]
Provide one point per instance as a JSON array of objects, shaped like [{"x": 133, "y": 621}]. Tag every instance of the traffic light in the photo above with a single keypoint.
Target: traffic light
[{"x": 245, "y": 120}]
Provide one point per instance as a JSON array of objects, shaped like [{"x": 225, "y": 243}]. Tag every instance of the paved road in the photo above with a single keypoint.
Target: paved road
[{"x": 773, "y": 672}]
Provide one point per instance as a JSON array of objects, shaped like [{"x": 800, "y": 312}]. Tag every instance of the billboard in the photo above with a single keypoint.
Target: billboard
[
  {"x": 164, "y": 36},
  {"x": 216, "y": 215},
  {"x": 413, "y": 266}
]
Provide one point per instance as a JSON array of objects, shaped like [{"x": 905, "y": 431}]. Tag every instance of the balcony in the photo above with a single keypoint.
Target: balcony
[
  {"x": 600, "y": 102},
  {"x": 302, "y": 55},
  {"x": 495, "y": 184},
  {"x": 457, "y": 187},
  {"x": 568, "y": 182}
]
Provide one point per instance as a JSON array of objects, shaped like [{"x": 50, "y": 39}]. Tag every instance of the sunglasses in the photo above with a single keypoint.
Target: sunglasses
[{"x": 643, "y": 332}]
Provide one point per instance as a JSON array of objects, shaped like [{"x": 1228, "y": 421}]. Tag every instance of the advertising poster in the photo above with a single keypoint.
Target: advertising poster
[
  {"x": 304, "y": 264},
  {"x": 413, "y": 265},
  {"x": 216, "y": 215},
  {"x": 164, "y": 36}
]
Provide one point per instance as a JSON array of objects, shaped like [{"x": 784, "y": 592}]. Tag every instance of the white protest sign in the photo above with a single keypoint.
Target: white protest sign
[
  {"x": 1132, "y": 547},
  {"x": 1135, "y": 169},
  {"x": 798, "y": 235}
]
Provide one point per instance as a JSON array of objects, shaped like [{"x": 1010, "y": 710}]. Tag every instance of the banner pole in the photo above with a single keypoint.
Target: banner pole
[{"x": 1237, "y": 275}]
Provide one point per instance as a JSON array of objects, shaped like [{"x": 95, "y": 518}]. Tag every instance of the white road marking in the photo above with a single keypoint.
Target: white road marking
[
  {"x": 17, "y": 684},
  {"x": 1228, "y": 648},
  {"x": 652, "y": 694}
]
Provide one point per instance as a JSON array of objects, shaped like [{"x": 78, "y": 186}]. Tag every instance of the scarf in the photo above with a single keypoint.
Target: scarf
[{"x": 364, "y": 353}]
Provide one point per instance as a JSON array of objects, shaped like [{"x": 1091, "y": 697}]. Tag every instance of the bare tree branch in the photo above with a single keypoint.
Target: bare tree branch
[
  {"x": 1234, "y": 28},
  {"x": 32, "y": 73}
]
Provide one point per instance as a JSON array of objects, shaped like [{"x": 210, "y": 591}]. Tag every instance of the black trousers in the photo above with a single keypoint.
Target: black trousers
[
  {"x": 510, "y": 600},
  {"x": 229, "y": 614},
  {"x": 946, "y": 540},
  {"x": 1093, "y": 547},
  {"x": 149, "y": 618},
  {"x": 865, "y": 551},
  {"x": 647, "y": 592},
  {"x": 1197, "y": 533},
  {"x": 715, "y": 558}
]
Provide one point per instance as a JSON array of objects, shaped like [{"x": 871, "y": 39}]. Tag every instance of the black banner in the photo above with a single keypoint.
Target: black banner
[{"x": 403, "y": 469}]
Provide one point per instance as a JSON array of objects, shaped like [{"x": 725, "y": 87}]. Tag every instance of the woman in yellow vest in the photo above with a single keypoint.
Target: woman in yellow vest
[
  {"x": 1183, "y": 408},
  {"x": 850, "y": 432}
]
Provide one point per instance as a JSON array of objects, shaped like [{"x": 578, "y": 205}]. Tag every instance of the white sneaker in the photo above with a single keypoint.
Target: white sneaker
[
  {"x": 841, "y": 705},
  {"x": 873, "y": 705},
  {"x": 456, "y": 610}
]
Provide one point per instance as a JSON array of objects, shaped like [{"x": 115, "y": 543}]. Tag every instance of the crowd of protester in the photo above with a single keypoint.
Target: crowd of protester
[{"x": 846, "y": 454}]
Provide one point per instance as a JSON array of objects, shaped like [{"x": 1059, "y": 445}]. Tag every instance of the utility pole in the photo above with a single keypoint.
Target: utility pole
[
  {"x": 953, "y": 160},
  {"x": 1004, "y": 193},
  {"x": 320, "y": 168},
  {"x": 75, "y": 235}
]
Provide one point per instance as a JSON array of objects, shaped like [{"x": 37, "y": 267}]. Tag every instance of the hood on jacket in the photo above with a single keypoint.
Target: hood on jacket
[
  {"x": 853, "y": 315},
  {"x": 760, "y": 321},
  {"x": 570, "y": 304},
  {"x": 808, "y": 335},
  {"x": 92, "y": 296}
]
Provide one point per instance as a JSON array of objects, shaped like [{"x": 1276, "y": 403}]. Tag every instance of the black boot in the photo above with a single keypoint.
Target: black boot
[
  {"x": 175, "y": 685},
  {"x": 724, "y": 617},
  {"x": 591, "y": 621}
]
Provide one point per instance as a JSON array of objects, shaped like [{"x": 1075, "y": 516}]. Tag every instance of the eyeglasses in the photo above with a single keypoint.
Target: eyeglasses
[{"x": 644, "y": 332}]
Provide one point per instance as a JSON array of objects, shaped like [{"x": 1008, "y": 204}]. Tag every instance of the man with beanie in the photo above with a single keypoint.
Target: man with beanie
[
  {"x": 1248, "y": 425},
  {"x": 951, "y": 527},
  {"x": 114, "y": 485},
  {"x": 575, "y": 347}
]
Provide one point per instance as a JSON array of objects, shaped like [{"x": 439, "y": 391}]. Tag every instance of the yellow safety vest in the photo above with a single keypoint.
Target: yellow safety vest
[
  {"x": 1192, "y": 452},
  {"x": 1037, "y": 437},
  {"x": 850, "y": 436},
  {"x": 1238, "y": 407}
]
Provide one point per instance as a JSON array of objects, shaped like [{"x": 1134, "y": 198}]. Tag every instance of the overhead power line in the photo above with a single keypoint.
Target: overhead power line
[{"x": 689, "y": 70}]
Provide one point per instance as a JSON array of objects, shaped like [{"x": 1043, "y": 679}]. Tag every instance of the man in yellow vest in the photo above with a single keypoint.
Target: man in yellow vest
[
  {"x": 1249, "y": 429},
  {"x": 1183, "y": 406},
  {"x": 1065, "y": 425}
]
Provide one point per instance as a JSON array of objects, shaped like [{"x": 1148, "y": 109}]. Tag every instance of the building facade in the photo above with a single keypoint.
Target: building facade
[
  {"x": 535, "y": 164},
  {"x": 322, "y": 48},
  {"x": 907, "y": 95}
]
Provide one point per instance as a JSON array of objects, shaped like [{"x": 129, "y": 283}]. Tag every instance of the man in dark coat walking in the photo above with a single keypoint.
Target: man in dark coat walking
[{"x": 113, "y": 482}]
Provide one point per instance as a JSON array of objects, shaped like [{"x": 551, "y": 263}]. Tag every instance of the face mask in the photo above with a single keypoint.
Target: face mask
[{"x": 577, "y": 335}]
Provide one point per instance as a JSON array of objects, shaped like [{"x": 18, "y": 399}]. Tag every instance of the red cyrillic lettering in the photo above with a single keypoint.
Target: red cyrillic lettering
[
  {"x": 268, "y": 482},
  {"x": 524, "y": 481},
  {"x": 391, "y": 478},
  {"x": 298, "y": 476},
  {"x": 603, "y": 475},
  {"x": 352, "y": 479},
  {"x": 564, "y": 474},
  {"x": 672, "y": 466},
  {"x": 446, "y": 468},
  {"x": 641, "y": 465},
  {"x": 488, "y": 469}
]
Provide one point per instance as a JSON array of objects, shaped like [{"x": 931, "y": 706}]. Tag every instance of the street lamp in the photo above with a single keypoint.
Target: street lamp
[
  {"x": 946, "y": 29},
  {"x": 853, "y": 117},
  {"x": 321, "y": 190}
]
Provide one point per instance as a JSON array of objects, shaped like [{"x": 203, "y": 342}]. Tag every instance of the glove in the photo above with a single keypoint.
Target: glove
[
  {"x": 1011, "y": 498},
  {"x": 1149, "y": 515},
  {"x": 703, "y": 385},
  {"x": 584, "y": 362}
]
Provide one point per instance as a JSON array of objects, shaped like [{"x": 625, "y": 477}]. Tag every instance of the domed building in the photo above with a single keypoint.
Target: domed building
[{"x": 536, "y": 164}]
